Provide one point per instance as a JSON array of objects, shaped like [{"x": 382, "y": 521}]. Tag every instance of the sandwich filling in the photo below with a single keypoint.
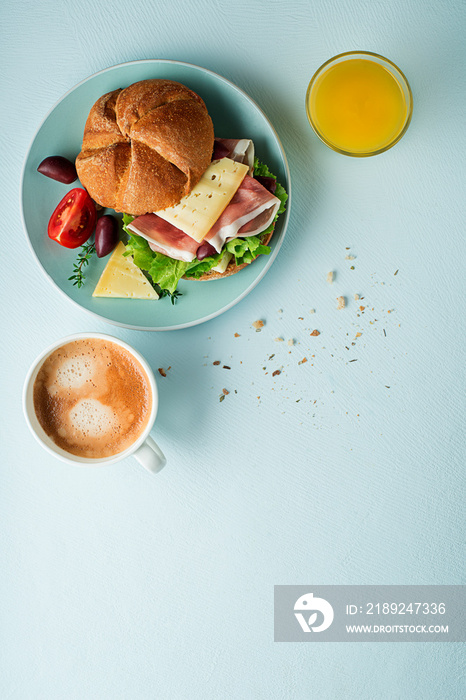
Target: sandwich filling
[
  {"x": 250, "y": 211},
  {"x": 226, "y": 214}
]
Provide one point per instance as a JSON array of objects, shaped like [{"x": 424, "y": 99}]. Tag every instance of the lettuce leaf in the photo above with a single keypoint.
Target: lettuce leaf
[
  {"x": 262, "y": 170},
  {"x": 197, "y": 268},
  {"x": 164, "y": 271},
  {"x": 247, "y": 249}
]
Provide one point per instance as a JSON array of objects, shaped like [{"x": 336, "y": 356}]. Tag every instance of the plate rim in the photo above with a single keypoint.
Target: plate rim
[{"x": 256, "y": 280}]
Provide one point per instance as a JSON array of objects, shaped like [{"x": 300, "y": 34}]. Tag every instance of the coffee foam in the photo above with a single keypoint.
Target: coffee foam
[
  {"x": 92, "y": 397},
  {"x": 91, "y": 418},
  {"x": 72, "y": 374}
]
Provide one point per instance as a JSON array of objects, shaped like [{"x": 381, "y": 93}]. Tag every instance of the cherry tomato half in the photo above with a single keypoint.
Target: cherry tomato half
[{"x": 73, "y": 221}]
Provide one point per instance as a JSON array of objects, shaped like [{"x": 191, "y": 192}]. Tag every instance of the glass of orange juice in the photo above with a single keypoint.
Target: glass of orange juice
[{"x": 359, "y": 103}]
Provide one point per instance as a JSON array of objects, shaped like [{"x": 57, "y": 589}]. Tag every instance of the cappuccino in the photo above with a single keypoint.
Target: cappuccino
[{"x": 92, "y": 397}]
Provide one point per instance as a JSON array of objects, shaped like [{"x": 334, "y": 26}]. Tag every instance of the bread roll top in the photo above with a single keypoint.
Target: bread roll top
[{"x": 145, "y": 147}]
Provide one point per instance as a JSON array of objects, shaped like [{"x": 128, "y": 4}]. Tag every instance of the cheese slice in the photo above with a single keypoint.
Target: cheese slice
[
  {"x": 198, "y": 211},
  {"x": 223, "y": 264},
  {"x": 122, "y": 279}
]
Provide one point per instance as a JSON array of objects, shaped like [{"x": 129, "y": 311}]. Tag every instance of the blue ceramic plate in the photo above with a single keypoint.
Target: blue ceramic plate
[{"x": 234, "y": 115}]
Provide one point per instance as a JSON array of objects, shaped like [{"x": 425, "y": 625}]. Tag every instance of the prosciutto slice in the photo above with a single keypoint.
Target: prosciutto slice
[
  {"x": 250, "y": 212},
  {"x": 239, "y": 150},
  {"x": 164, "y": 237}
]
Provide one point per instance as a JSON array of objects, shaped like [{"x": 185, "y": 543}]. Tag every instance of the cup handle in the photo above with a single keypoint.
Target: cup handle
[{"x": 151, "y": 456}]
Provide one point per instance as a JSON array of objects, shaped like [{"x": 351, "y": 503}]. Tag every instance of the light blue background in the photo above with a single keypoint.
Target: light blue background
[{"x": 119, "y": 584}]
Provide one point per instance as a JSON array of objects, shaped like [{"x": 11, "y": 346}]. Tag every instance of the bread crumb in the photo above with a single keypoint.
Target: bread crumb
[
  {"x": 330, "y": 277},
  {"x": 279, "y": 340},
  {"x": 237, "y": 335},
  {"x": 356, "y": 297},
  {"x": 312, "y": 311},
  {"x": 358, "y": 335},
  {"x": 341, "y": 303},
  {"x": 301, "y": 362},
  {"x": 162, "y": 372},
  {"x": 291, "y": 341},
  {"x": 225, "y": 391},
  {"x": 277, "y": 371},
  {"x": 350, "y": 257},
  {"x": 315, "y": 332},
  {"x": 216, "y": 362},
  {"x": 258, "y": 325}
]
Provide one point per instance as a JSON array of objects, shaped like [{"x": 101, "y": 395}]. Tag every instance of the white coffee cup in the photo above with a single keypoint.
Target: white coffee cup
[{"x": 144, "y": 448}]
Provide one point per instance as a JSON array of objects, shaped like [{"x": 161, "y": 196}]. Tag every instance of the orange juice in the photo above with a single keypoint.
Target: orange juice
[{"x": 359, "y": 105}]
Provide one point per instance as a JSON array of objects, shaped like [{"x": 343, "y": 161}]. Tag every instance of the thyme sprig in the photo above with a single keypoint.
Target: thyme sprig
[
  {"x": 165, "y": 293},
  {"x": 84, "y": 256}
]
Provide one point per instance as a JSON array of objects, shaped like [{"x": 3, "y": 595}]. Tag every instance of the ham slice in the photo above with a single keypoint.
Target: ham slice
[
  {"x": 239, "y": 150},
  {"x": 250, "y": 212},
  {"x": 164, "y": 237}
]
